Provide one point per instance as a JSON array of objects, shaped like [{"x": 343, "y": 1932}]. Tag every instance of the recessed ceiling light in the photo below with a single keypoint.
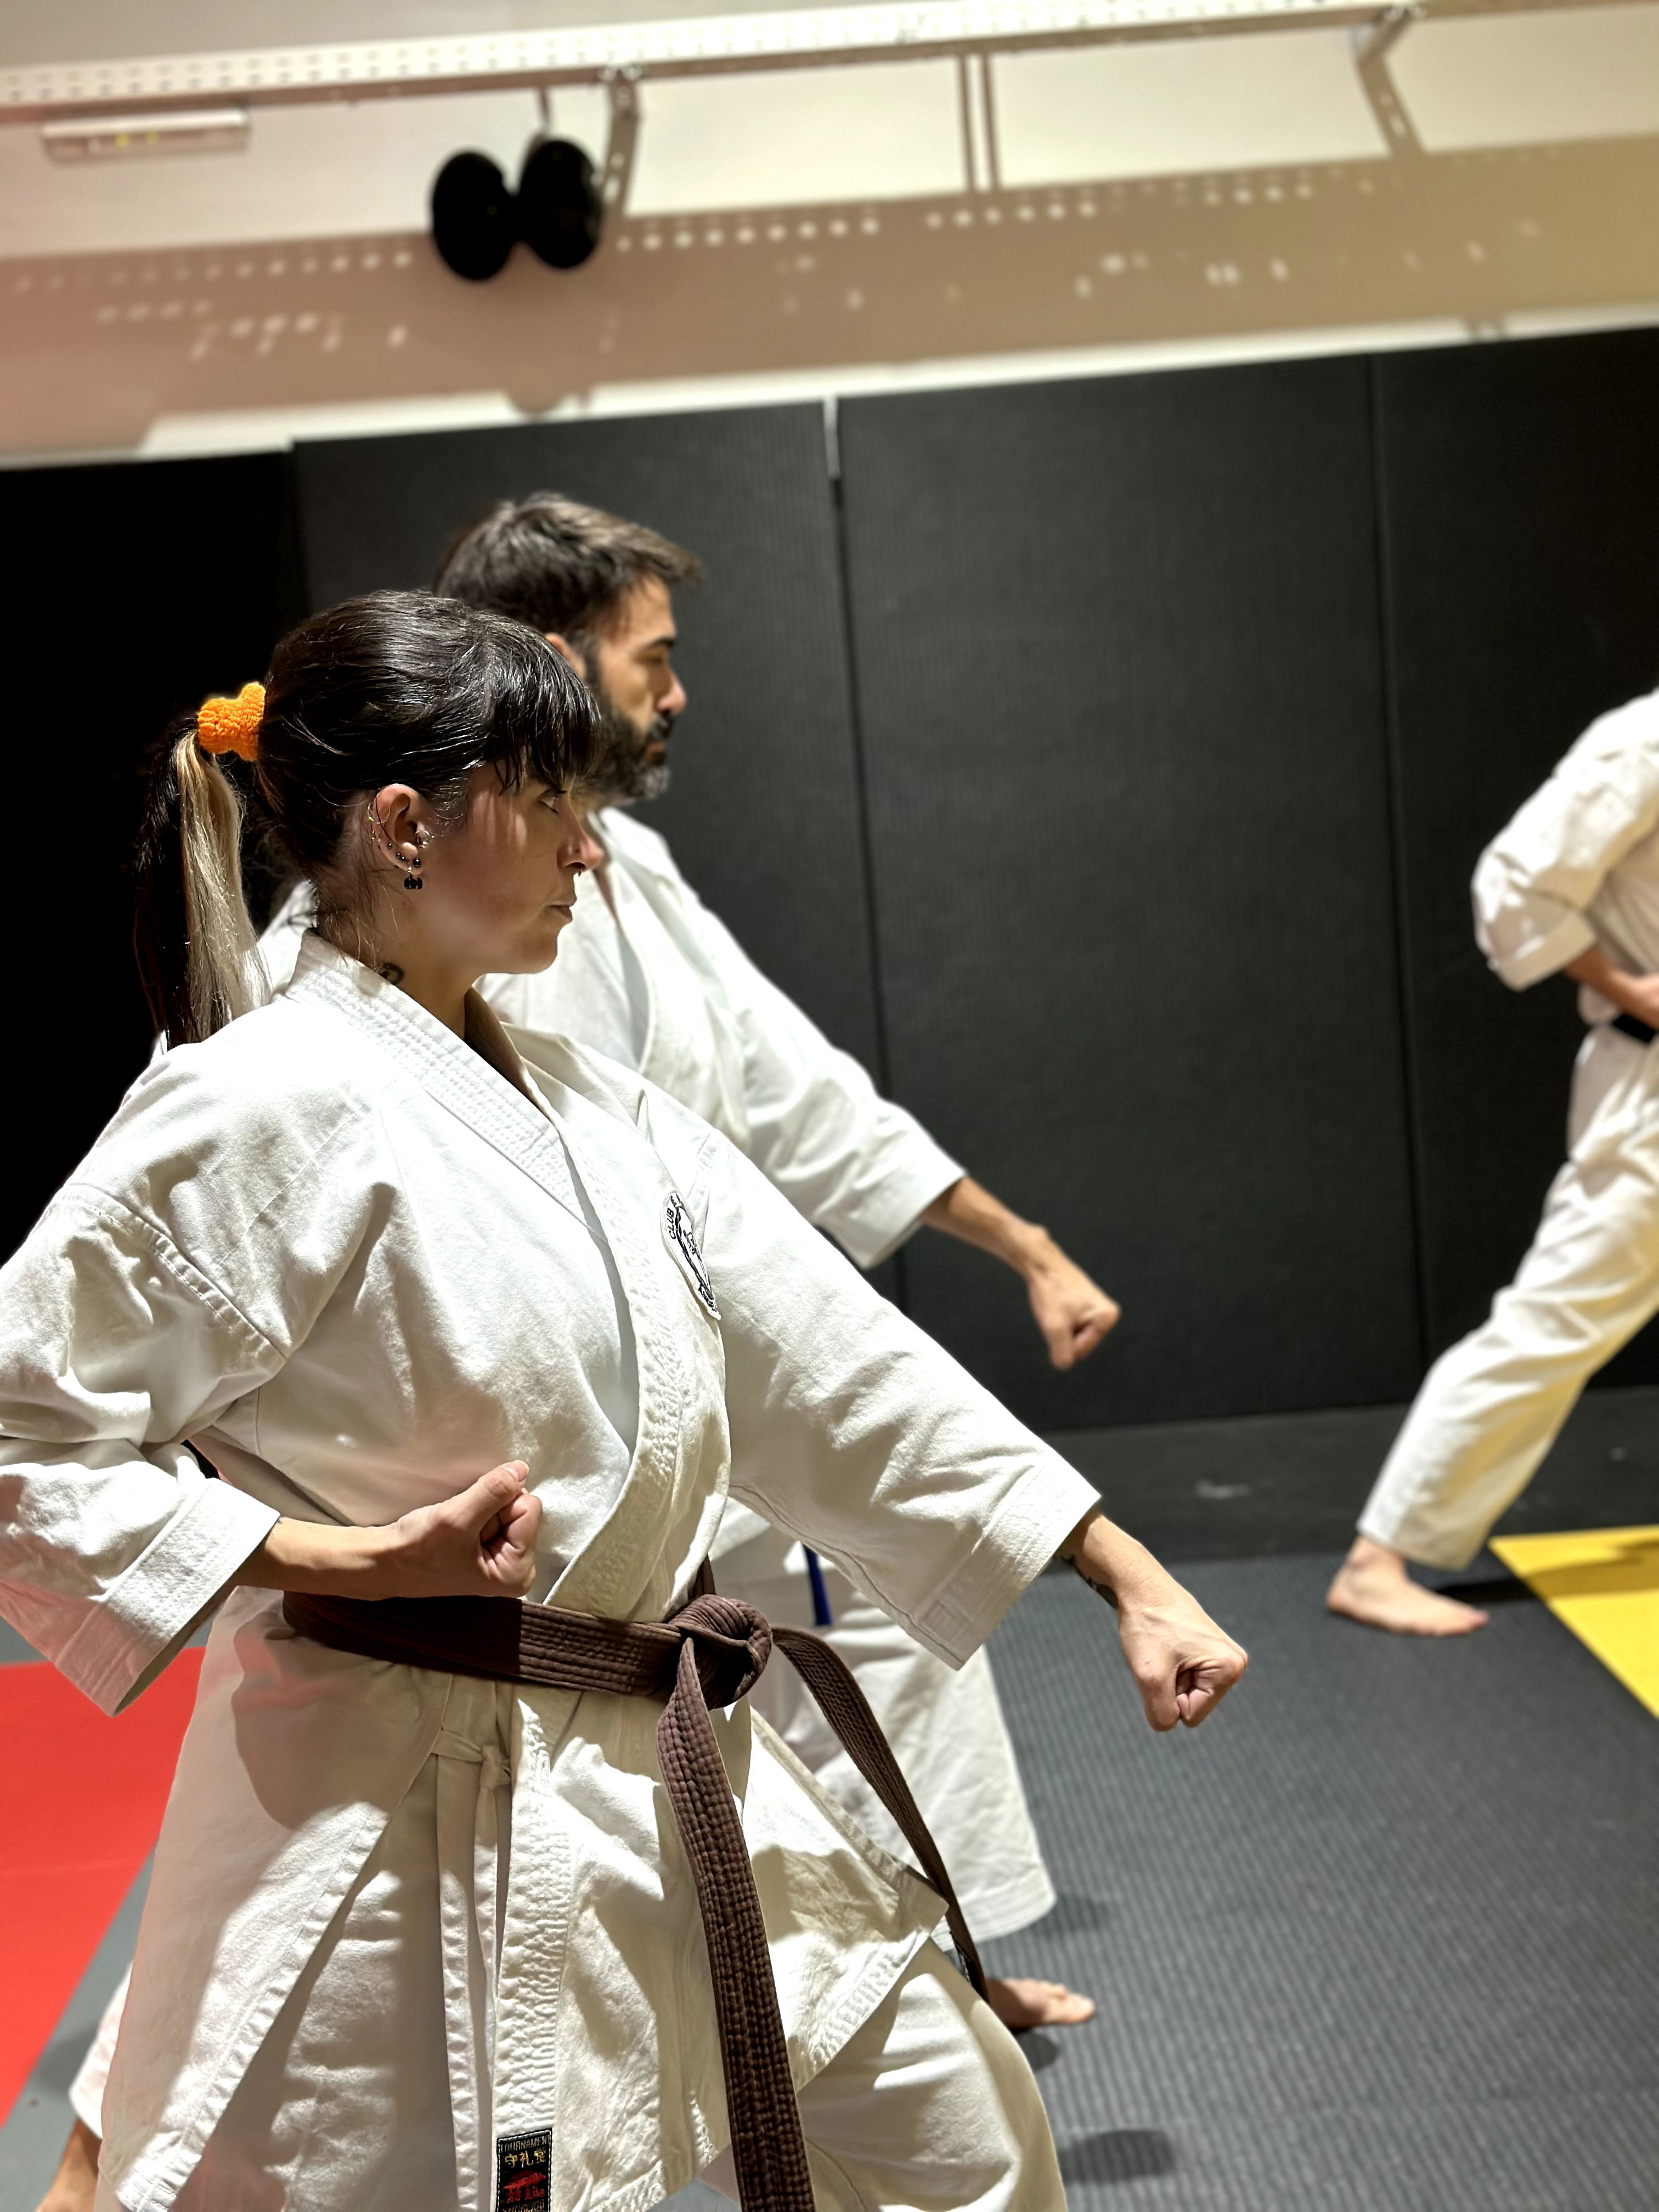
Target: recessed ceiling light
[{"x": 117, "y": 137}]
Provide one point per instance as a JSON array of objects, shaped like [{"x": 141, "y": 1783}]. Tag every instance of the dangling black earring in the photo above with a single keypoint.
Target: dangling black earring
[{"x": 412, "y": 880}]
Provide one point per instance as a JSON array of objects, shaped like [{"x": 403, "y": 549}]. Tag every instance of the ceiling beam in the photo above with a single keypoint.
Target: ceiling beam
[{"x": 808, "y": 38}]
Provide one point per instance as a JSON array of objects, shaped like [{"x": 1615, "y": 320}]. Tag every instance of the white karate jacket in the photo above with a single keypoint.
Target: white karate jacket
[
  {"x": 345, "y": 1255},
  {"x": 1579, "y": 864}
]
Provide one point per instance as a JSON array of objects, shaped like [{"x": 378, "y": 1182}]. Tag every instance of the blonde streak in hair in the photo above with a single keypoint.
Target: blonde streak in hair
[{"x": 226, "y": 976}]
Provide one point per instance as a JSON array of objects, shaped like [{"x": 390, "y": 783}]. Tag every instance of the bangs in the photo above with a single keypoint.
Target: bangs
[
  {"x": 401, "y": 687},
  {"x": 542, "y": 720}
]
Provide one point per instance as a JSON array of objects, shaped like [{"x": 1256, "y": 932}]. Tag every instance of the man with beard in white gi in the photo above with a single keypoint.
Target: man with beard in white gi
[
  {"x": 1571, "y": 887},
  {"x": 648, "y": 976}
]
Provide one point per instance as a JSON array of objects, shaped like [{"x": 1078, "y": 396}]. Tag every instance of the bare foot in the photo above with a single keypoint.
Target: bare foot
[
  {"x": 1372, "y": 1585},
  {"x": 1021, "y": 2004},
  {"x": 75, "y": 2183}
]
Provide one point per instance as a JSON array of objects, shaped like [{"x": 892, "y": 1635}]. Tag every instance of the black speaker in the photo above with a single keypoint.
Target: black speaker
[
  {"x": 559, "y": 205},
  {"x": 474, "y": 222}
]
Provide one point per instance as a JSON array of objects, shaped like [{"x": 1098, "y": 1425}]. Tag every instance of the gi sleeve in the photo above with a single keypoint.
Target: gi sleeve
[
  {"x": 854, "y": 1432},
  {"x": 853, "y": 1162},
  {"x": 170, "y": 1278},
  {"x": 1536, "y": 880},
  {"x": 113, "y": 1348}
]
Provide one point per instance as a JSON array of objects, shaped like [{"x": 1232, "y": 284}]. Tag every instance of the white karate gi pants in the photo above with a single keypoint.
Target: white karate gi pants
[
  {"x": 371, "y": 2092},
  {"x": 948, "y": 1734},
  {"x": 929, "y": 2108},
  {"x": 1493, "y": 1406}
]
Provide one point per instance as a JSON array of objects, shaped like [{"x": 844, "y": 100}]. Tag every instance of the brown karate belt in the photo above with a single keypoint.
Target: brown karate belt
[{"x": 711, "y": 1653}]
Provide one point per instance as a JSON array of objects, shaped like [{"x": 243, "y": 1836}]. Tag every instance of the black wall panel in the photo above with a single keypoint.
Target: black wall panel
[
  {"x": 763, "y": 813},
  {"x": 1521, "y": 495},
  {"x": 1121, "y": 688},
  {"x": 134, "y": 590},
  {"x": 1126, "y": 655}
]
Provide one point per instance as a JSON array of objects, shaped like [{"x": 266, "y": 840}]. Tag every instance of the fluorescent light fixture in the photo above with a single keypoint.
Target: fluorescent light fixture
[{"x": 117, "y": 137}]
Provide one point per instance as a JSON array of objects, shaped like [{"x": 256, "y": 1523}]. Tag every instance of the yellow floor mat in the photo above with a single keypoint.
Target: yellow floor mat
[{"x": 1604, "y": 1584}]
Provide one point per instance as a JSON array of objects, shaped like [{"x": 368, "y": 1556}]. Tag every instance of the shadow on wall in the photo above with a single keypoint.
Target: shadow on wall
[{"x": 97, "y": 347}]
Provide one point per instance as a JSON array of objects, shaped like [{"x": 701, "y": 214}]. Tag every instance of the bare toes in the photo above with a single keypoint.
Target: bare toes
[
  {"x": 1022, "y": 2003},
  {"x": 1401, "y": 1607}
]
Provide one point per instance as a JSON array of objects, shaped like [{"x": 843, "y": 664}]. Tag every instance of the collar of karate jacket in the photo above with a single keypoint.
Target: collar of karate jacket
[
  {"x": 630, "y": 843},
  {"x": 607, "y": 1153},
  {"x": 644, "y": 877},
  {"x": 455, "y": 1074}
]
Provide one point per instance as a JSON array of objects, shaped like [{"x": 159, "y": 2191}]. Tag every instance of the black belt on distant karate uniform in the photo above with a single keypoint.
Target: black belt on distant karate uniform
[
  {"x": 1627, "y": 1025},
  {"x": 710, "y": 1653}
]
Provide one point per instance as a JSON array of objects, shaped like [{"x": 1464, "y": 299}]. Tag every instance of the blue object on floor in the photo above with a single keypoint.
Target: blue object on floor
[{"x": 822, "y": 1616}]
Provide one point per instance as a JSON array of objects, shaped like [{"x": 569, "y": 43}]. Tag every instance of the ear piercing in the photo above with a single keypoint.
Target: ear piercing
[{"x": 411, "y": 858}]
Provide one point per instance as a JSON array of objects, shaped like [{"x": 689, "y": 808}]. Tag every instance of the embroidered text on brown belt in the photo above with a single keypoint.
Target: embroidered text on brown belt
[{"x": 711, "y": 1653}]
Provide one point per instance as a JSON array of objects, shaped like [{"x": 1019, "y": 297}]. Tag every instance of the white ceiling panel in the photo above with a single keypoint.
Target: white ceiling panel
[
  {"x": 1530, "y": 80},
  {"x": 1222, "y": 103},
  {"x": 798, "y": 137}
]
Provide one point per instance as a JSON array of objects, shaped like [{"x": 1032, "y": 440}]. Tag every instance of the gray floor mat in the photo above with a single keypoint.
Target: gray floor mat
[
  {"x": 1381, "y": 1938},
  {"x": 1296, "y": 1482},
  {"x": 1382, "y": 1935}
]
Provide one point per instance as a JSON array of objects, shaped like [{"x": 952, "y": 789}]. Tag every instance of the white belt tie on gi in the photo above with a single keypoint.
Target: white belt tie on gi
[{"x": 474, "y": 1828}]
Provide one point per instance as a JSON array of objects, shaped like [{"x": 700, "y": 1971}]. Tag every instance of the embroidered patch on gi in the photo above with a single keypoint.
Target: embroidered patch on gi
[
  {"x": 677, "y": 1234},
  {"x": 524, "y": 2171}
]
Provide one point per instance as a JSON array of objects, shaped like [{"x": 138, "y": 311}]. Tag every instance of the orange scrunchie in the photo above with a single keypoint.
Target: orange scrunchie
[{"x": 231, "y": 725}]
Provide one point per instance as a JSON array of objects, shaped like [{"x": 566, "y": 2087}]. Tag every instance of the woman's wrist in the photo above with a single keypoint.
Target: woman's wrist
[
  {"x": 319, "y": 1557},
  {"x": 479, "y": 1542},
  {"x": 1112, "y": 1562}
]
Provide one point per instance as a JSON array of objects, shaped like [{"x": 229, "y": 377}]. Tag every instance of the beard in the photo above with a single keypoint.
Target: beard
[{"x": 622, "y": 772}]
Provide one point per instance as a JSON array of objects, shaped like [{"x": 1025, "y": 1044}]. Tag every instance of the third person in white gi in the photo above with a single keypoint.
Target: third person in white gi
[{"x": 1571, "y": 887}]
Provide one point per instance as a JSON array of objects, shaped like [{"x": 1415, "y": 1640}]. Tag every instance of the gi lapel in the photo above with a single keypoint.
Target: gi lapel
[
  {"x": 619, "y": 1571},
  {"x": 624, "y": 902},
  {"x": 422, "y": 1051},
  {"x": 682, "y": 1364}
]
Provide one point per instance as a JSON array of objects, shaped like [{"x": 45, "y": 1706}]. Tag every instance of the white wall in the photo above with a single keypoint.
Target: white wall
[{"x": 814, "y": 230}]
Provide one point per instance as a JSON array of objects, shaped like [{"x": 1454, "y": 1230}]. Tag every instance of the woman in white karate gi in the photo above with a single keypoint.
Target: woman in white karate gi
[
  {"x": 450, "y": 1326},
  {"x": 1571, "y": 887}
]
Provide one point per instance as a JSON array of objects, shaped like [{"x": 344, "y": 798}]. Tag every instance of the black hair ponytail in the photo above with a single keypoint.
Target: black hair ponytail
[{"x": 198, "y": 956}]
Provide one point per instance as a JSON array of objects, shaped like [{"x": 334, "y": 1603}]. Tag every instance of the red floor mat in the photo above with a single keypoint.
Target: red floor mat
[{"x": 83, "y": 1805}]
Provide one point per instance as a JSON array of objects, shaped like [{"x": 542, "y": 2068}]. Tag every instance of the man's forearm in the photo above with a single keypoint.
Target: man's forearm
[
  {"x": 1072, "y": 1313},
  {"x": 968, "y": 1210},
  {"x": 1594, "y": 970}
]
